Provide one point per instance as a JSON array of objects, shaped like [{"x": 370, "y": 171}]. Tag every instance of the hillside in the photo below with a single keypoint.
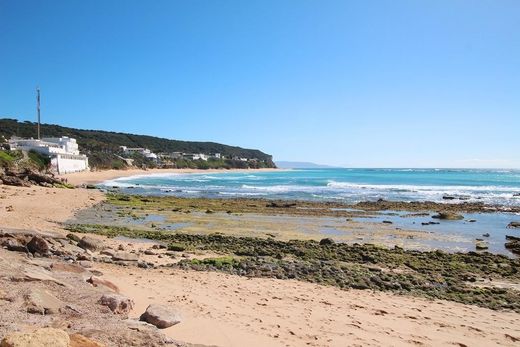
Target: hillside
[{"x": 95, "y": 142}]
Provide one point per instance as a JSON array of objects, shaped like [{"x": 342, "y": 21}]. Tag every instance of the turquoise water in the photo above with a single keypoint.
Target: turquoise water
[{"x": 346, "y": 185}]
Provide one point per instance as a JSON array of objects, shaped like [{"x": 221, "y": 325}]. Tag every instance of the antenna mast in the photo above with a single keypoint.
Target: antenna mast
[{"x": 38, "y": 109}]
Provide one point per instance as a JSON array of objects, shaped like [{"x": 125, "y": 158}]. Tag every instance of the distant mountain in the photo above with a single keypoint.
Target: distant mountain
[
  {"x": 301, "y": 165},
  {"x": 98, "y": 143}
]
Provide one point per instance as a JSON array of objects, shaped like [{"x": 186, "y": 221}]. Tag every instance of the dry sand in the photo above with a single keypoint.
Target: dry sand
[
  {"x": 42, "y": 209},
  {"x": 225, "y": 310},
  {"x": 228, "y": 310}
]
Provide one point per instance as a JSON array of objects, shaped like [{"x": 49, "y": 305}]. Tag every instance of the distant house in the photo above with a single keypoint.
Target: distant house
[
  {"x": 195, "y": 156},
  {"x": 63, "y": 152},
  {"x": 215, "y": 155},
  {"x": 143, "y": 151}
]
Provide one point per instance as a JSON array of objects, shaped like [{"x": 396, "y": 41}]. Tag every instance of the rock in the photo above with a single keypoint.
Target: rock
[
  {"x": 160, "y": 316},
  {"x": 513, "y": 225},
  {"x": 117, "y": 303},
  {"x": 14, "y": 245},
  {"x": 38, "y": 245},
  {"x": 90, "y": 186},
  {"x": 448, "y": 197},
  {"x": 516, "y": 194},
  {"x": 91, "y": 243},
  {"x": 512, "y": 238},
  {"x": 387, "y": 222},
  {"x": 481, "y": 246},
  {"x": 208, "y": 211},
  {"x": 513, "y": 246},
  {"x": 143, "y": 265},
  {"x": 73, "y": 237},
  {"x": 149, "y": 252},
  {"x": 326, "y": 241},
  {"x": 9, "y": 208},
  {"x": 38, "y": 274},
  {"x": 45, "y": 337},
  {"x": 472, "y": 220},
  {"x": 85, "y": 264},
  {"x": 65, "y": 267},
  {"x": 448, "y": 216},
  {"x": 15, "y": 181},
  {"x": 108, "y": 252},
  {"x": 41, "y": 301},
  {"x": 125, "y": 256},
  {"x": 84, "y": 256},
  {"x": 485, "y": 235},
  {"x": 120, "y": 248},
  {"x": 96, "y": 282},
  {"x": 78, "y": 340}
]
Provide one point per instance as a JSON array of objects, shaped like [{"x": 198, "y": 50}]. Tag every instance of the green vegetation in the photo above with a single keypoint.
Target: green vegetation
[
  {"x": 41, "y": 161},
  {"x": 434, "y": 274},
  {"x": 102, "y": 146},
  {"x": 7, "y": 158},
  {"x": 17, "y": 160}
]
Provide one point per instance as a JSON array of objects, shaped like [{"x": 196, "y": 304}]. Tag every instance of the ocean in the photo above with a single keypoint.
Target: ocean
[{"x": 344, "y": 185}]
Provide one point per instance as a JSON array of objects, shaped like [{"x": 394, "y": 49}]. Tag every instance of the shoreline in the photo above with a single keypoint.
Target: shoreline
[
  {"x": 96, "y": 177},
  {"x": 236, "y": 310}
]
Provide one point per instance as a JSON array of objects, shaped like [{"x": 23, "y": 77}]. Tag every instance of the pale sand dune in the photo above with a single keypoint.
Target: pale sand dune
[
  {"x": 93, "y": 177},
  {"x": 226, "y": 310}
]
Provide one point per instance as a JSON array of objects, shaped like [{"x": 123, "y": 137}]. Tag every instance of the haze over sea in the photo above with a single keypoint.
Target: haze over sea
[{"x": 348, "y": 185}]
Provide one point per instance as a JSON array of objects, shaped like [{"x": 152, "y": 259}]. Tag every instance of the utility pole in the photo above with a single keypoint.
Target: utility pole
[{"x": 38, "y": 109}]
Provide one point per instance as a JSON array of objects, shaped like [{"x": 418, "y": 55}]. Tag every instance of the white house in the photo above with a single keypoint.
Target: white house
[
  {"x": 63, "y": 151},
  {"x": 195, "y": 156},
  {"x": 144, "y": 151}
]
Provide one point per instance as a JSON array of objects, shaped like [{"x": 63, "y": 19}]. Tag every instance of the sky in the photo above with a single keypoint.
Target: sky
[{"x": 386, "y": 83}]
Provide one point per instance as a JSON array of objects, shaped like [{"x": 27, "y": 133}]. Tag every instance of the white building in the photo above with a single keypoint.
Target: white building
[
  {"x": 144, "y": 151},
  {"x": 195, "y": 156},
  {"x": 63, "y": 151}
]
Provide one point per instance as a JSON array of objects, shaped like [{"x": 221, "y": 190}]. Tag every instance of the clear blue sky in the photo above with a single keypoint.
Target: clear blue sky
[{"x": 418, "y": 83}]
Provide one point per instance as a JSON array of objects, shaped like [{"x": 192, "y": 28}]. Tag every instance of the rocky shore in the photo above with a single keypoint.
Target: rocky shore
[
  {"x": 114, "y": 283},
  {"x": 51, "y": 282},
  {"x": 435, "y": 274}
]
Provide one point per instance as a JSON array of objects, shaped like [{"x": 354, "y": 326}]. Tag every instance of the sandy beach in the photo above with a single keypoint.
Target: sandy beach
[{"x": 226, "y": 310}]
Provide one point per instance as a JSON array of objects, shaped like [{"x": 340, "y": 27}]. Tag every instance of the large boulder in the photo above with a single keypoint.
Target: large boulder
[
  {"x": 38, "y": 245},
  {"x": 91, "y": 243},
  {"x": 117, "y": 303},
  {"x": 45, "y": 337},
  {"x": 160, "y": 316},
  {"x": 40, "y": 301},
  {"x": 448, "y": 216}
]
